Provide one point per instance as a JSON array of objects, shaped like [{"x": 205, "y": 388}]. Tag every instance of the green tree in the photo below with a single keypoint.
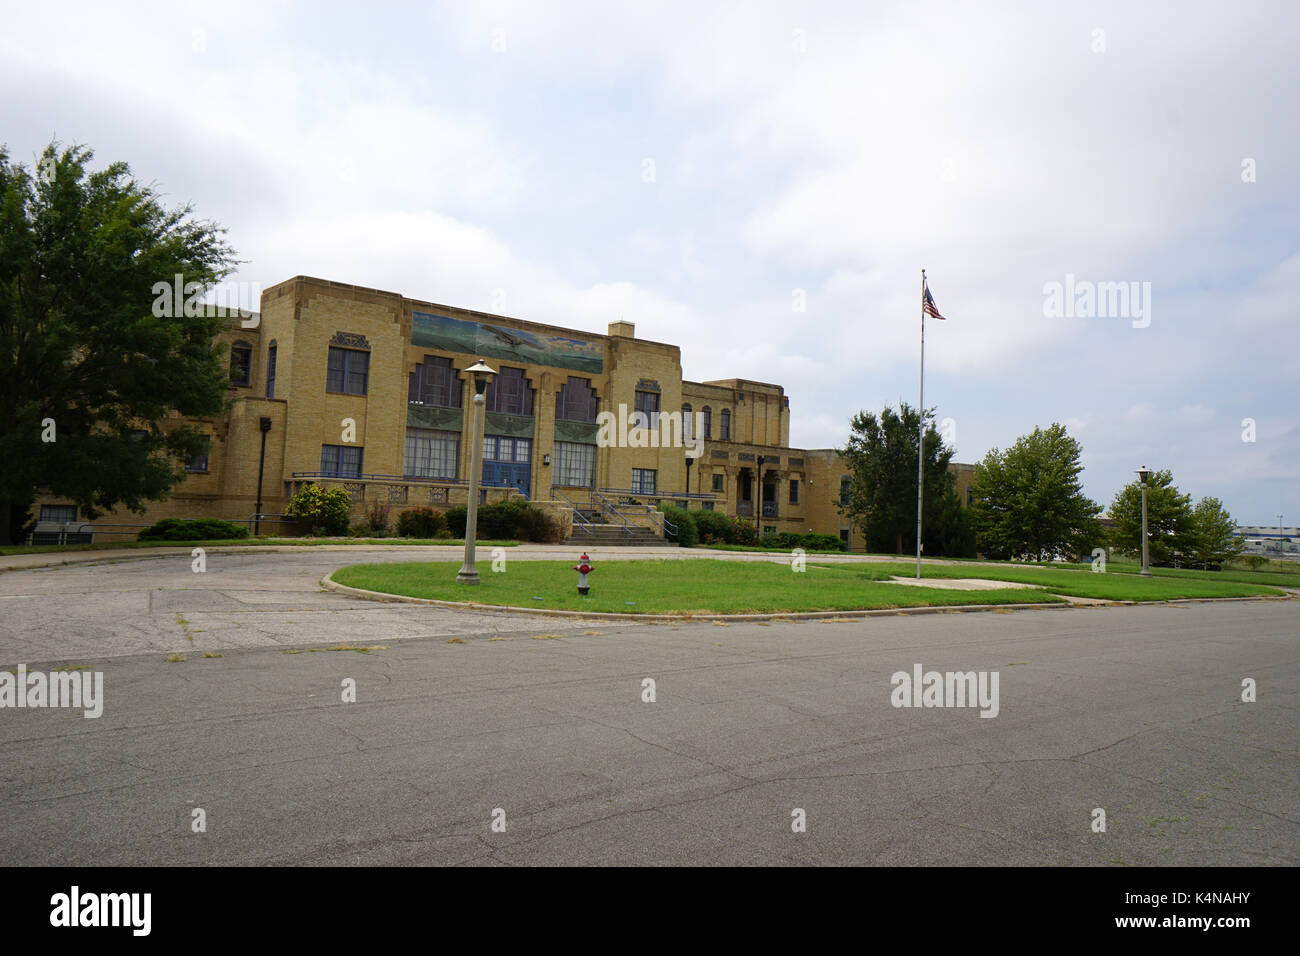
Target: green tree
[
  {"x": 1169, "y": 518},
  {"x": 1029, "y": 502},
  {"x": 880, "y": 496},
  {"x": 83, "y": 359},
  {"x": 1212, "y": 540}
]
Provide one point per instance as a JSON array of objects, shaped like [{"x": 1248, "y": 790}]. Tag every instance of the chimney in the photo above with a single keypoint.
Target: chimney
[{"x": 623, "y": 329}]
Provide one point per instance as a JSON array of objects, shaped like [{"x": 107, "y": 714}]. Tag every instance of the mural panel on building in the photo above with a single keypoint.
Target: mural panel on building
[{"x": 494, "y": 341}]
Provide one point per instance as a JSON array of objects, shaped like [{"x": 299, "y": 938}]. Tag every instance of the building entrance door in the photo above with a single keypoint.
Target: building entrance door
[{"x": 507, "y": 463}]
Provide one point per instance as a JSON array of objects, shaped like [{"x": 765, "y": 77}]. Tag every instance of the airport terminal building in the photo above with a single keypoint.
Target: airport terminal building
[{"x": 367, "y": 390}]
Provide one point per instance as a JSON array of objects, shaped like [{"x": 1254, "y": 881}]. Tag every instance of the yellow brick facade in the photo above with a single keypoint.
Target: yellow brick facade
[{"x": 302, "y": 318}]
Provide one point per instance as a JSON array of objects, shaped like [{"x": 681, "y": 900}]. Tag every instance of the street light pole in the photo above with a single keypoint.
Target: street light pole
[
  {"x": 265, "y": 425},
  {"x": 1143, "y": 473},
  {"x": 468, "y": 573}
]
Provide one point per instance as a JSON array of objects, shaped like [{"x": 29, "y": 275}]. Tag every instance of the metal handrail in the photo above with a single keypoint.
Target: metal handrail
[
  {"x": 584, "y": 524},
  {"x": 388, "y": 478},
  {"x": 703, "y": 495},
  {"x": 607, "y": 508}
]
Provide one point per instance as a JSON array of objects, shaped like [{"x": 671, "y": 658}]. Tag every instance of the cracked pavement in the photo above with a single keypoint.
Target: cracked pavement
[{"x": 1136, "y": 710}]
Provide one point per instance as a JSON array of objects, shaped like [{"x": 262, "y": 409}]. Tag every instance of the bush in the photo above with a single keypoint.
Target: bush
[
  {"x": 745, "y": 532},
  {"x": 377, "y": 519},
  {"x": 456, "y": 518},
  {"x": 420, "y": 523},
  {"x": 822, "y": 542},
  {"x": 714, "y": 527},
  {"x": 201, "y": 529},
  {"x": 323, "y": 510},
  {"x": 688, "y": 536}
]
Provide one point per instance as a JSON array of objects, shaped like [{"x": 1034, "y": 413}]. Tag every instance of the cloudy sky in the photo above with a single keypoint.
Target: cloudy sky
[{"x": 761, "y": 184}]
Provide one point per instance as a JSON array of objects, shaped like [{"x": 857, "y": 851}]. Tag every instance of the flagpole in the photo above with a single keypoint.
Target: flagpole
[{"x": 920, "y": 452}]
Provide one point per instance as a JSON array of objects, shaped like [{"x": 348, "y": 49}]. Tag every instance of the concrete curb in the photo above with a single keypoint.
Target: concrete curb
[{"x": 329, "y": 584}]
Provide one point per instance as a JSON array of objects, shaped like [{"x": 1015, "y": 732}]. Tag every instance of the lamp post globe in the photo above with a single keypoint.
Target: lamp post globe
[{"x": 482, "y": 373}]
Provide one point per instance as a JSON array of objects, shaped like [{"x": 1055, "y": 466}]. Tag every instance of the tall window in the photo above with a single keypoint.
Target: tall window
[
  {"x": 508, "y": 392},
  {"x": 643, "y": 481},
  {"x": 718, "y": 479},
  {"x": 431, "y": 454},
  {"x": 794, "y": 492},
  {"x": 726, "y": 425},
  {"x": 576, "y": 401},
  {"x": 270, "y": 372},
  {"x": 708, "y": 422},
  {"x": 199, "y": 460},
  {"x": 846, "y": 489},
  {"x": 341, "y": 461},
  {"x": 575, "y": 464},
  {"x": 687, "y": 423},
  {"x": 435, "y": 382},
  {"x": 241, "y": 364},
  {"x": 348, "y": 371},
  {"x": 646, "y": 411}
]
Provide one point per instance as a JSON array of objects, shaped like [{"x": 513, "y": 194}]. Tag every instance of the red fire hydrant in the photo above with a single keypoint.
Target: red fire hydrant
[{"x": 583, "y": 567}]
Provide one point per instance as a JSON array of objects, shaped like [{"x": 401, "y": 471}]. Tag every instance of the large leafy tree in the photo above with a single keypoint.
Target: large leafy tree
[
  {"x": 1169, "y": 518},
  {"x": 1212, "y": 540},
  {"x": 1029, "y": 502},
  {"x": 83, "y": 358},
  {"x": 880, "y": 496}
]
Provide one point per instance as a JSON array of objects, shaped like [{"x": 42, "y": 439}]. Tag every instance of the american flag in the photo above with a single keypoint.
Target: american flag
[{"x": 928, "y": 306}]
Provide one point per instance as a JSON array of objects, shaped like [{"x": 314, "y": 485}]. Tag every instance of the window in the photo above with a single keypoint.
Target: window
[
  {"x": 643, "y": 481},
  {"x": 844, "y": 535},
  {"x": 348, "y": 371},
  {"x": 431, "y": 454},
  {"x": 794, "y": 492},
  {"x": 270, "y": 372},
  {"x": 515, "y": 450},
  {"x": 576, "y": 401},
  {"x": 846, "y": 488},
  {"x": 726, "y": 425},
  {"x": 60, "y": 514},
  {"x": 199, "y": 460},
  {"x": 241, "y": 364},
  {"x": 718, "y": 479},
  {"x": 575, "y": 464},
  {"x": 341, "y": 461},
  {"x": 970, "y": 496},
  {"x": 509, "y": 393},
  {"x": 646, "y": 411},
  {"x": 708, "y": 506},
  {"x": 708, "y": 422},
  {"x": 435, "y": 382},
  {"x": 687, "y": 415}
]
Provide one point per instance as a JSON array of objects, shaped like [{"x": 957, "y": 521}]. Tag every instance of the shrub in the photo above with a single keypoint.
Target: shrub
[
  {"x": 323, "y": 510},
  {"x": 201, "y": 529},
  {"x": 714, "y": 527},
  {"x": 688, "y": 536},
  {"x": 377, "y": 518},
  {"x": 419, "y": 523},
  {"x": 745, "y": 532},
  {"x": 455, "y": 518}
]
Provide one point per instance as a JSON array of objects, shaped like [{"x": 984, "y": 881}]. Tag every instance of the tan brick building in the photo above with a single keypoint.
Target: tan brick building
[{"x": 367, "y": 390}]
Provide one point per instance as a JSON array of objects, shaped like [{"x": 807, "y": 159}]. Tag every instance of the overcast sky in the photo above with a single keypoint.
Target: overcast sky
[{"x": 704, "y": 170}]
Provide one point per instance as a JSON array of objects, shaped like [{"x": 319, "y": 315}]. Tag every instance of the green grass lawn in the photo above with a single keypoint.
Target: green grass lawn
[
  {"x": 690, "y": 586},
  {"x": 241, "y": 543},
  {"x": 1075, "y": 582}
]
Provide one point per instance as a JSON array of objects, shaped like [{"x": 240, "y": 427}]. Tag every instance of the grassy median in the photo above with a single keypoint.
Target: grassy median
[
  {"x": 691, "y": 586},
  {"x": 710, "y": 586}
]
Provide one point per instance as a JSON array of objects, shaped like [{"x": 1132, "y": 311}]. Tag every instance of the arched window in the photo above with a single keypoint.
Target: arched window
[
  {"x": 434, "y": 382},
  {"x": 708, "y": 421},
  {"x": 687, "y": 415},
  {"x": 509, "y": 393},
  {"x": 576, "y": 401},
  {"x": 241, "y": 364},
  {"x": 726, "y": 425}
]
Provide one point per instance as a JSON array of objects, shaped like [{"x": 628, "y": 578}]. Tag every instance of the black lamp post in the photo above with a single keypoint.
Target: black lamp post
[
  {"x": 468, "y": 574},
  {"x": 1143, "y": 473},
  {"x": 265, "y": 424}
]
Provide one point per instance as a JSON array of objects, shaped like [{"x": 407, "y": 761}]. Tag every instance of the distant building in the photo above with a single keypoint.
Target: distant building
[{"x": 1269, "y": 540}]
